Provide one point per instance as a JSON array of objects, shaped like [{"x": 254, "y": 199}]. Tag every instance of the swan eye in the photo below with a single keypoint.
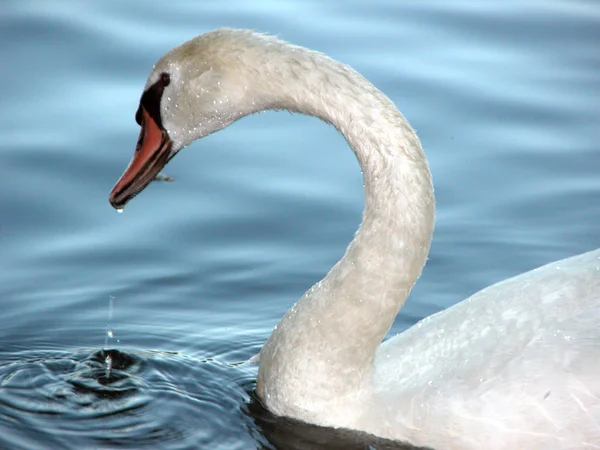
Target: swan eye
[{"x": 150, "y": 101}]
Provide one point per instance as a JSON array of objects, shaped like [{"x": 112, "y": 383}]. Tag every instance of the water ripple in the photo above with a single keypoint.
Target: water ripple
[{"x": 145, "y": 397}]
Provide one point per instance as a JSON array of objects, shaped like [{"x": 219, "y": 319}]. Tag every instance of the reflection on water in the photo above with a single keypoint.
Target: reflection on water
[
  {"x": 291, "y": 434},
  {"x": 505, "y": 96}
]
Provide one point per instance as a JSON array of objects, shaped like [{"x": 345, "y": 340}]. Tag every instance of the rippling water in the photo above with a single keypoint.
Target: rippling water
[{"x": 505, "y": 96}]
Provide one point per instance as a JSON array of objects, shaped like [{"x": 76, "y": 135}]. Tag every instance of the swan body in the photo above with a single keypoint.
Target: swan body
[{"x": 517, "y": 365}]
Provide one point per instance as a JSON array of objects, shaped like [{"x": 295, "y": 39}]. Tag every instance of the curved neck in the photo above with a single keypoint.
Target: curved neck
[{"x": 339, "y": 323}]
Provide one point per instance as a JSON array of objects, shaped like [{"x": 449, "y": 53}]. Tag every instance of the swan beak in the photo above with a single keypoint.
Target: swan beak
[{"x": 151, "y": 155}]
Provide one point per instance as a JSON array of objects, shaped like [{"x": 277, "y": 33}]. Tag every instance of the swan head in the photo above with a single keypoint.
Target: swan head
[{"x": 194, "y": 90}]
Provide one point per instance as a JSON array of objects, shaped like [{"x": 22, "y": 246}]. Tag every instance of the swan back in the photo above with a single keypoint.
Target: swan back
[{"x": 514, "y": 364}]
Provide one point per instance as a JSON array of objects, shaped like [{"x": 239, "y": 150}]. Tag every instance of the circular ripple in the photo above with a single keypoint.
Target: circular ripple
[
  {"x": 146, "y": 399},
  {"x": 55, "y": 383}
]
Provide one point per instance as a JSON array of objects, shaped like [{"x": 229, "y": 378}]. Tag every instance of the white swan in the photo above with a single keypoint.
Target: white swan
[{"x": 516, "y": 365}]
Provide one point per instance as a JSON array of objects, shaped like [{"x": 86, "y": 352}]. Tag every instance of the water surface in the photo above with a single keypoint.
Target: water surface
[{"x": 505, "y": 96}]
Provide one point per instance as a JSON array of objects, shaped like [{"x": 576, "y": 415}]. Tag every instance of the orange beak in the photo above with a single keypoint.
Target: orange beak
[{"x": 151, "y": 155}]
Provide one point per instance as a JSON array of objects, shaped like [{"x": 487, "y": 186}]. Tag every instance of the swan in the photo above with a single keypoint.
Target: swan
[{"x": 516, "y": 365}]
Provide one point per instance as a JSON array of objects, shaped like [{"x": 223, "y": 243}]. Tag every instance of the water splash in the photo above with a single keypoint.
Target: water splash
[{"x": 108, "y": 364}]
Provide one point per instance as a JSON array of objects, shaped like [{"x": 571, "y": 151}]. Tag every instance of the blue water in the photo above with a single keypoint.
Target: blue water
[{"x": 192, "y": 277}]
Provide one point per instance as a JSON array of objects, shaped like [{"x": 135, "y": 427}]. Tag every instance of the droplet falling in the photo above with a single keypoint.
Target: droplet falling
[
  {"x": 111, "y": 301},
  {"x": 109, "y": 332},
  {"x": 119, "y": 210}
]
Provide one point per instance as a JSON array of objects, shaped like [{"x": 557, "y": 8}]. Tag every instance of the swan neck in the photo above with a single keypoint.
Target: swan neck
[{"x": 339, "y": 323}]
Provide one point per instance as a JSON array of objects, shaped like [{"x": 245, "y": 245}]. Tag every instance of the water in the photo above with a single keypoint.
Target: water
[{"x": 505, "y": 96}]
